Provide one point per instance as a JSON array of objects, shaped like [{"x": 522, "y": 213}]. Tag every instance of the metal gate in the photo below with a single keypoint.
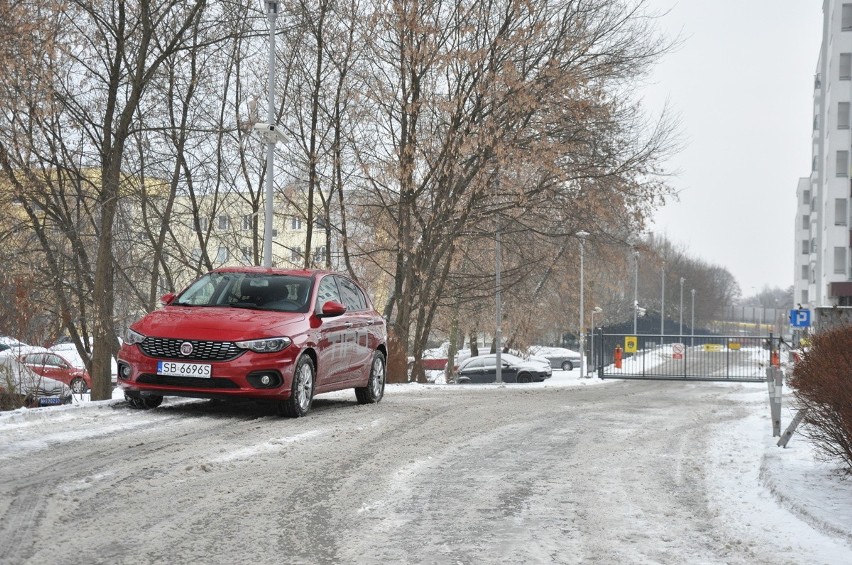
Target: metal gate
[{"x": 690, "y": 358}]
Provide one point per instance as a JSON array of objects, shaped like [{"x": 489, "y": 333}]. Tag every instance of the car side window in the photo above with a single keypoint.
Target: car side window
[
  {"x": 475, "y": 364},
  {"x": 53, "y": 361},
  {"x": 351, "y": 295},
  {"x": 326, "y": 291}
]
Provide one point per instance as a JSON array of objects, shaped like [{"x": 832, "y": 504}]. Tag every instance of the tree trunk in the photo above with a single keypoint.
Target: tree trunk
[{"x": 397, "y": 362}]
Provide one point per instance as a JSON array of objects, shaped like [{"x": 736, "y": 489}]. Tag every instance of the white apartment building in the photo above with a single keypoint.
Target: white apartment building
[{"x": 823, "y": 236}]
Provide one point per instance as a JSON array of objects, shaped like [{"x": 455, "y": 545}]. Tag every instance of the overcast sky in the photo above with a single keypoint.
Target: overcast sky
[{"x": 741, "y": 84}]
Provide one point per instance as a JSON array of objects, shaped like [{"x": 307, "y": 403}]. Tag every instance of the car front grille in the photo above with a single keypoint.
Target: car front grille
[
  {"x": 186, "y": 382},
  {"x": 201, "y": 350}
]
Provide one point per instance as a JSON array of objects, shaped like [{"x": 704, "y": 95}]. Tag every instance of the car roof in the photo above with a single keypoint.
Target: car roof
[{"x": 275, "y": 271}]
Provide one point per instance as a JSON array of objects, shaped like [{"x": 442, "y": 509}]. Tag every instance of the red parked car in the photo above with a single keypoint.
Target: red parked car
[
  {"x": 54, "y": 366},
  {"x": 253, "y": 332}
]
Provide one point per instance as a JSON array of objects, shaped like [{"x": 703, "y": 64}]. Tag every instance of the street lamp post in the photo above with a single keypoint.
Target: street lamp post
[
  {"x": 692, "y": 325},
  {"x": 581, "y": 236},
  {"x": 635, "y": 289},
  {"x": 663, "y": 304},
  {"x": 595, "y": 310},
  {"x": 498, "y": 339},
  {"x": 681, "y": 305},
  {"x": 270, "y": 135}
]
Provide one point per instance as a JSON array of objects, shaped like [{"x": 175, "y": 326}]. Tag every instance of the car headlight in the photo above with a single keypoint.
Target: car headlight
[
  {"x": 132, "y": 338},
  {"x": 270, "y": 345}
]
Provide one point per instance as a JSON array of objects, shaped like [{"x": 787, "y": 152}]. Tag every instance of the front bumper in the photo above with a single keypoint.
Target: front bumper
[{"x": 240, "y": 377}]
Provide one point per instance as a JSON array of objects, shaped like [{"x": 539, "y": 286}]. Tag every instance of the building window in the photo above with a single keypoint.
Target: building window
[
  {"x": 816, "y": 123},
  {"x": 806, "y": 197},
  {"x": 805, "y": 272},
  {"x": 295, "y": 254},
  {"x": 806, "y": 247},
  {"x": 246, "y": 223},
  {"x": 806, "y": 222},
  {"x": 839, "y": 260},
  {"x": 846, "y": 17},
  {"x": 222, "y": 255},
  {"x": 842, "y": 165},
  {"x": 296, "y": 223},
  {"x": 247, "y": 255},
  {"x": 840, "y": 212},
  {"x": 843, "y": 115},
  {"x": 203, "y": 224},
  {"x": 319, "y": 255},
  {"x": 224, "y": 222},
  {"x": 845, "y": 66},
  {"x": 813, "y": 245}
]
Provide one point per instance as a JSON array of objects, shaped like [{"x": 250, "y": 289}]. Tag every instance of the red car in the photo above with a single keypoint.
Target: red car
[
  {"x": 253, "y": 332},
  {"x": 54, "y": 366}
]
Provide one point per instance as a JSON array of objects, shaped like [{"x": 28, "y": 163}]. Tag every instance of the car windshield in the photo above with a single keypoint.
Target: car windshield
[{"x": 281, "y": 293}]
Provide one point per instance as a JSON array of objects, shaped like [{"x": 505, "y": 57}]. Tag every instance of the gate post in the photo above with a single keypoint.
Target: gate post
[{"x": 775, "y": 380}]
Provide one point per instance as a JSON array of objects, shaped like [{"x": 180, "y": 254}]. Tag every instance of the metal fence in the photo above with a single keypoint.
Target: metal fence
[{"x": 675, "y": 357}]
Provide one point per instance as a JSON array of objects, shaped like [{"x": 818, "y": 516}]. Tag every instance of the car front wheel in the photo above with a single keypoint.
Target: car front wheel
[
  {"x": 567, "y": 366},
  {"x": 142, "y": 402},
  {"x": 375, "y": 389},
  {"x": 78, "y": 386},
  {"x": 302, "y": 391}
]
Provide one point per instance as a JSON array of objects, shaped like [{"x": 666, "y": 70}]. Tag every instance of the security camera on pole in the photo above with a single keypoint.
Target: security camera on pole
[{"x": 270, "y": 134}]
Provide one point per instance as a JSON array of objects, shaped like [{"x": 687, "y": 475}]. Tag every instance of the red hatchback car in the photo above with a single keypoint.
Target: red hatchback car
[
  {"x": 51, "y": 365},
  {"x": 257, "y": 333}
]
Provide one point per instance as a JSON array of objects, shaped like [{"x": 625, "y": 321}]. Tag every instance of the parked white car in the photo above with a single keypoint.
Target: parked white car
[{"x": 19, "y": 382}]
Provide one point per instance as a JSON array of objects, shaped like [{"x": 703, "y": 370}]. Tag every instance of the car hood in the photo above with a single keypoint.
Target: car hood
[{"x": 215, "y": 323}]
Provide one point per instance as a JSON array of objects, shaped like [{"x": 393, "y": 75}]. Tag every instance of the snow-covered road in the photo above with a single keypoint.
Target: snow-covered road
[{"x": 633, "y": 472}]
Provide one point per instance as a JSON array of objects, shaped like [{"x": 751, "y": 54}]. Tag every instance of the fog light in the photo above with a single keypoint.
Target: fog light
[
  {"x": 265, "y": 380},
  {"x": 125, "y": 371}
]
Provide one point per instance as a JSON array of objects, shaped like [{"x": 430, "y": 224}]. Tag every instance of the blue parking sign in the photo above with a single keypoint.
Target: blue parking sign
[{"x": 800, "y": 318}]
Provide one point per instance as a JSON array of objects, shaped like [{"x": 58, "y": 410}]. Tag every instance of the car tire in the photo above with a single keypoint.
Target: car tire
[
  {"x": 375, "y": 389},
  {"x": 567, "y": 366},
  {"x": 78, "y": 386},
  {"x": 140, "y": 402},
  {"x": 463, "y": 381},
  {"x": 302, "y": 390},
  {"x": 524, "y": 378}
]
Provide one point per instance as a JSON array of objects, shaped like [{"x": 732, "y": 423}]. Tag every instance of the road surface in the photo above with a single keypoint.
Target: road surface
[{"x": 621, "y": 473}]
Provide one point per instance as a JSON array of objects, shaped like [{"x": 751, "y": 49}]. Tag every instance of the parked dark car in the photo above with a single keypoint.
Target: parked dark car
[
  {"x": 257, "y": 333},
  {"x": 483, "y": 369},
  {"x": 57, "y": 367}
]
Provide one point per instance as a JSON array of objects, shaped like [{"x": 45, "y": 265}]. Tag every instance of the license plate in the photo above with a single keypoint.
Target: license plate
[
  {"x": 172, "y": 369},
  {"x": 49, "y": 401}
]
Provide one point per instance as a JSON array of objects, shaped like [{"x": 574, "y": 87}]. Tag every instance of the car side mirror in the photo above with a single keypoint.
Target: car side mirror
[
  {"x": 332, "y": 308},
  {"x": 167, "y": 298}
]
